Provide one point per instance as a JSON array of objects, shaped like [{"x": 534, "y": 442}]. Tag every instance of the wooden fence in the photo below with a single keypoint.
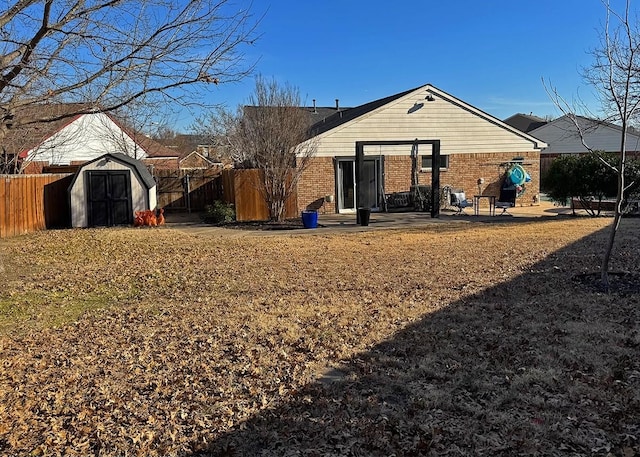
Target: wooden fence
[
  {"x": 190, "y": 190},
  {"x": 33, "y": 202},
  {"x": 36, "y": 202},
  {"x": 242, "y": 188},
  {"x": 545, "y": 164}
]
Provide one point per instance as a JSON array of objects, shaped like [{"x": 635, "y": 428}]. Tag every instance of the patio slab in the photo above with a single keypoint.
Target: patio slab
[{"x": 330, "y": 222}]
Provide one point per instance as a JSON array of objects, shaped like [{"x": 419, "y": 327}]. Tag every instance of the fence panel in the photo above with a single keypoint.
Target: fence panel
[
  {"x": 545, "y": 164},
  {"x": 188, "y": 190},
  {"x": 242, "y": 187},
  {"x": 33, "y": 202},
  {"x": 228, "y": 188}
]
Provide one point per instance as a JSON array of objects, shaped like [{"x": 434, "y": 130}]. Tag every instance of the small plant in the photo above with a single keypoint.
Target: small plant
[{"x": 219, "y": 213}]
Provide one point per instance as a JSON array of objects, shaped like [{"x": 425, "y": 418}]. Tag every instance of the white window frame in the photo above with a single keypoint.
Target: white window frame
[{"x": 446, "y": 167}]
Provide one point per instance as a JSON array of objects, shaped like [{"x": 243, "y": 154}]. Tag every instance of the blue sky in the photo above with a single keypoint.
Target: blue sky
[{"x": 492, "y": 54}]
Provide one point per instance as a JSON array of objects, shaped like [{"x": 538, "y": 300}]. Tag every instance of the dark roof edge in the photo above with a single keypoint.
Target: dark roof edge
[
  {"x": 346, "y": 115},
  {"x": 138, "y": 168}
]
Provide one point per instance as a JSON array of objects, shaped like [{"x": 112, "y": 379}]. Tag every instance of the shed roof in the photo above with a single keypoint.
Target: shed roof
[{"x": 137, "y": 167}]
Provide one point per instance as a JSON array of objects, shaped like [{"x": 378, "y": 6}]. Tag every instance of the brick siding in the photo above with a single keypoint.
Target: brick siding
[{"x": 318, "y": 180}]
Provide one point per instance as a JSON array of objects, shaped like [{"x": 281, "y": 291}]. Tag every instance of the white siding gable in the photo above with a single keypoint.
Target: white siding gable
[
  {"x": 84, "y": 139},
  {"x": 460, "y": 128},
  {"x": 563, "y": 138}
]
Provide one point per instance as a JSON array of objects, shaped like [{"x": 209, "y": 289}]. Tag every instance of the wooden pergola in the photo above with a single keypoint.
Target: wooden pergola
[{"x": 435, "y": 171}]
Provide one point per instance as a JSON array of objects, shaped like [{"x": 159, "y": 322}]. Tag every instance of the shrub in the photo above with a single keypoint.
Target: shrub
[
  {"x": 219, "y": 213},
  {"x": 588, "y": 179}
]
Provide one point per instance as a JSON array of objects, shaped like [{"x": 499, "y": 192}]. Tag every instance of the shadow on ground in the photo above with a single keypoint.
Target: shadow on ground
[{"x": 522, "y": 368}]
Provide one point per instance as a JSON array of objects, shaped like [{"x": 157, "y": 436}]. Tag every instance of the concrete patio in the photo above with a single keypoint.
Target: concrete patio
[{"x": 330, "y": 222}]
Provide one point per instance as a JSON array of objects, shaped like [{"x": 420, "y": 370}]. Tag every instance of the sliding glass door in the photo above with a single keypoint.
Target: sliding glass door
[{"x": 346, "y": 179}]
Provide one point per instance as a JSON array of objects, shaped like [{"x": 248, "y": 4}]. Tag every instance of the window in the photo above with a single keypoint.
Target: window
[{"x": 426, "y": 162}]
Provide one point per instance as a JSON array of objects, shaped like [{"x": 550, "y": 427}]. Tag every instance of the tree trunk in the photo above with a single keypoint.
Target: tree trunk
[{"x": 604, "y": 267}]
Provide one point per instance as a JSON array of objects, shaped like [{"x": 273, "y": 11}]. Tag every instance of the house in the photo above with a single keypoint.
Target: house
[
  {"x": 107, "y": 190},
  {"x": 193, "y": 151},
  {"x": 525, "y": 122},
  {"x": 74, "y": 139},
  {"x": 563, "y": 137},
  {"x": 476, "y": 150}
]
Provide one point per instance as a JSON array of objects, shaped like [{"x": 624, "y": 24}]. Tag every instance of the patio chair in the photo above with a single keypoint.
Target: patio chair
[
  {"x": 460, "y": 202},
  {"x": 506, "y": 200}
]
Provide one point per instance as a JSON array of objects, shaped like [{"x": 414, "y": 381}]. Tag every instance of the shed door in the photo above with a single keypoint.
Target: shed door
[{"x": 109, "y": 198}]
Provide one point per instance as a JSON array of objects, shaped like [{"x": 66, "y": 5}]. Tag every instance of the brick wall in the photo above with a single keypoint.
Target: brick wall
[
  {"x": 34, "y": 167},
  {"x": 162, "y": 163},
  {"x": 465, "y": 170},
  {"x": 397, "y": 174},
  {"x": 318, "y": 180}
]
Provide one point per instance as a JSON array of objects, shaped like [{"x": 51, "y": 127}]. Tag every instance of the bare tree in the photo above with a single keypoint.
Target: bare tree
[
  {"x": 271, "y": 134},
  {"x": 615, "y": 74},
  {"x": 129, "y": 137},
  {"x": 109, "y": 53}
]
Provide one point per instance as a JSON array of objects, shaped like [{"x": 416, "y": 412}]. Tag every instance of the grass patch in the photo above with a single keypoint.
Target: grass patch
[
  {"x": 467, "y": 340},
  {"x": 30, "y": 311}
]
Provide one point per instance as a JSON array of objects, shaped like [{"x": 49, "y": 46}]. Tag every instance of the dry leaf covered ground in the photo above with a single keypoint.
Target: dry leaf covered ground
[{"x": 455, "y": 339}]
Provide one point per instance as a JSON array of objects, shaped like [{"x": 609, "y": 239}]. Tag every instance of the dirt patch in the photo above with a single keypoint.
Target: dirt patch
[{"x": 455, "y": 339}]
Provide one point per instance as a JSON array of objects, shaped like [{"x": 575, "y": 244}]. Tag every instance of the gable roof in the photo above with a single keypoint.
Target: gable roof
[
  {"x": 182, "y": 144},
  {"x": 563, "y": 137},
  {"x": 349, "y": 115},
  {"x": 136, "y": 166},
  {"x": 152, "y": 147},
  {"x": 23, "y": 138},
  {"x": 197, "y": 157},
  {"x": 26, "y": 137},
  {"x": 525, "y": 122},
  {"x": 318, "y": 114}
]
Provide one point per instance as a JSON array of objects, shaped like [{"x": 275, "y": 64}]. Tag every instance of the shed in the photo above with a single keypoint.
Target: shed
[{"x": 106, "y": 191}]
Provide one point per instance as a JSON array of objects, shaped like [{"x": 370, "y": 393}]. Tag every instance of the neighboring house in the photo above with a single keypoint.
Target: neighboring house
[
  {"x": 192, "y": 153},
  {"x": 197, "y": 161},
  {"x": 77, "y": 139},
  {"x": 563, "y": 137},
  {"x": 525, "y": 122},
  {"x": 475, "y": 147}
]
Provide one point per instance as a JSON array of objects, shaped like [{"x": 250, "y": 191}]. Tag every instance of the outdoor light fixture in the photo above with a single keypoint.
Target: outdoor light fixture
[{"x": 429, "y": 98}]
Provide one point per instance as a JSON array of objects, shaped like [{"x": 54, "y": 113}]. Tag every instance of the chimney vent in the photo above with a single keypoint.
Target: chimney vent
[
  {"x": 337, "y": 104},
  {"x": 314, "y": 106}
]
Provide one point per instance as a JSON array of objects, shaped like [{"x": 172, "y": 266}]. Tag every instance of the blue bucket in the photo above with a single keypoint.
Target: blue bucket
[{"x": 310, "y": 219}]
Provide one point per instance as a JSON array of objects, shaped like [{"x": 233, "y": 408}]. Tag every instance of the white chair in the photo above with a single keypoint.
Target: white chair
[{"x": 460, "y": 202}]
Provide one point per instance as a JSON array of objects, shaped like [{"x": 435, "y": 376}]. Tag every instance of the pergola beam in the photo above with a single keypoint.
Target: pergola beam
[{"x": 435, "y": 169}]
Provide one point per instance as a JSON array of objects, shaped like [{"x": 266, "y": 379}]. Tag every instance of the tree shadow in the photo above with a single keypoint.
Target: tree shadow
[{"x": 521, "y": 368}]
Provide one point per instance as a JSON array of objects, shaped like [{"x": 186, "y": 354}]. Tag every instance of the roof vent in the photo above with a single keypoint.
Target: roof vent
[{"x": 337, "y": 104}]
